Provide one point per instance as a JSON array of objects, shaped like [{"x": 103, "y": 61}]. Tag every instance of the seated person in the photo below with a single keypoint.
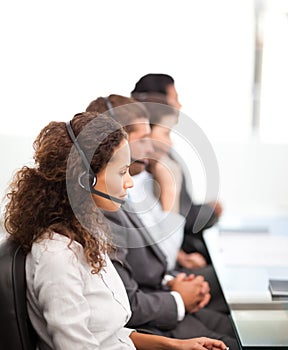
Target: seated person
[
  {"x": 156, "y": 194},
  {"x": 173, "y": 308},
  {"x": 75, "y": 298},
  {"x": 159, "y": 209},
  {"x": 162, "y": 87}
]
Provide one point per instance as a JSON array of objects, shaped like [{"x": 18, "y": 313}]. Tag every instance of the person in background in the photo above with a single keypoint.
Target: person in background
[
  {"x": 158, "y": 87},
  {"x": 157, "y": 84},
  {"x": 171, "y": 306},
  {"x": 75, "y": 298},
  {"x": 155, "y": 205},
  {"x": 134, "y": 117}
]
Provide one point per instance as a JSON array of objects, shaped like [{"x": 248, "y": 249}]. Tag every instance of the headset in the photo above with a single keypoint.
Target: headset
[
  {"x": 88, "y": 179},
  {"x": 114, "y": 116},
  {"x": 110, "y": 108}
]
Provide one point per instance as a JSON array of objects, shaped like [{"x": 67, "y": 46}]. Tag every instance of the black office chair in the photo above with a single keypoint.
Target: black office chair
[{"x": 16, "y": 332}]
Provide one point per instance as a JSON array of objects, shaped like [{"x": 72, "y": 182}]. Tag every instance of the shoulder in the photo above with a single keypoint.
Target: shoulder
[{"x": 55, "y": 247}]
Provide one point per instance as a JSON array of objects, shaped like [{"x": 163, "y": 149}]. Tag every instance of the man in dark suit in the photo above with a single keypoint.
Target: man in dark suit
[
  {"x": 155, "y": 307},
  {"x": 162, "y": 304},
  {"x": 158, "y": 87}
]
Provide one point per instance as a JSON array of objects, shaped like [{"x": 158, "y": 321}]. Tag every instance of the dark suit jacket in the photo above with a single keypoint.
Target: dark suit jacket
[
  {"x": 142, "y": 266},
  {"x": 191, "y": 211},
  {"x": 198, "y": 218},
  {"x": 204, "y": 214}
]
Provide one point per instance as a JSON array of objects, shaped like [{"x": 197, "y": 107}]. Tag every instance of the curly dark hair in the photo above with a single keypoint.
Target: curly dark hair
[{"x": 39, "y": 197}]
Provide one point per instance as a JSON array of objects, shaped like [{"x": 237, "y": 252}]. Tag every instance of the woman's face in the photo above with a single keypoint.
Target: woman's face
[{"x": 114, "y": 179}]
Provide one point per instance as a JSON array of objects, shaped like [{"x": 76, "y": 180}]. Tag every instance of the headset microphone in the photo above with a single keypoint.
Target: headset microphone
[
  {"x": 107, "y": 196},
  {"x": 87, "y": 180}
]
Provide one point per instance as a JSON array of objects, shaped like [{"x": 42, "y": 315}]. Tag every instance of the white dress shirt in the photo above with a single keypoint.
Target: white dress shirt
[
  {"x": 71, "y": 308},
  {"x": 166, "y": 228}
]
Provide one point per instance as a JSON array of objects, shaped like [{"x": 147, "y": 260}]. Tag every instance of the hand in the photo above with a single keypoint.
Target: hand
[
  {"x": 193, "y": 290},
  {"x": 200, "y": 344},
  {"x": 192, "y": 260},
  {"x": 217, "y": 208},
  {"x": 168, "y": 175},
  {"x": 205, "y": 290}
]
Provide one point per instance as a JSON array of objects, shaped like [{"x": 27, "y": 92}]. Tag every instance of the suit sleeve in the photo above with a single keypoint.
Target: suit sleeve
[
  {"x": 150, "y": 308},
  {"x": 203, "y": 213}
]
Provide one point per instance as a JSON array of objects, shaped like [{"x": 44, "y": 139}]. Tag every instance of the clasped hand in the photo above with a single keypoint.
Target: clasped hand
[{"x": 194, "y": 290}]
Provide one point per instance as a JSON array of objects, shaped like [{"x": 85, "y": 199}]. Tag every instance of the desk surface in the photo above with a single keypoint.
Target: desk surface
[
  {"x": 244, "y": 262},
  {"x": 261, "y": 328}
]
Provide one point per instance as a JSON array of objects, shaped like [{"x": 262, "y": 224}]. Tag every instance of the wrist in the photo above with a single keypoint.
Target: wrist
[
  {"x": 181, "y": 308},
  {"x": 171, "y": 344}
]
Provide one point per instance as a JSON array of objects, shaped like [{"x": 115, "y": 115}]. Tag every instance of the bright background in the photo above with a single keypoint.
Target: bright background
[{"x": 58, "y": 55}]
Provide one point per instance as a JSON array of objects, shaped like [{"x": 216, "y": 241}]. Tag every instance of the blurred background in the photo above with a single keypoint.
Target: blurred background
[{"x": 228, "y": 58}]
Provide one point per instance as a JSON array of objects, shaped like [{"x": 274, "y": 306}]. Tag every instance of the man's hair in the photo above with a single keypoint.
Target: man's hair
[
  {"x": 126, "y": 110},
  {"x": 152, "y": 82}
]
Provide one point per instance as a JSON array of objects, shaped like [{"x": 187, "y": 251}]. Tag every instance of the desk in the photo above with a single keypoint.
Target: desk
[
  {"x": 261, "y": 329},
  {"x": 244, "y": 262}
]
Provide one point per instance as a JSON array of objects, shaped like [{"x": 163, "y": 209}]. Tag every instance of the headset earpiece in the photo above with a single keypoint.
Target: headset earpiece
[
  {"x": 110, "y": 107},
  {"x": 87, "y": 180}
]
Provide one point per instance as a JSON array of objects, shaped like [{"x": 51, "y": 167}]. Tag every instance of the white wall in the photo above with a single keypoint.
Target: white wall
[
  {"x": 58, "y": 55},
  {"x": 16, "y": 151},
  {"x": 252, "y": 177}
]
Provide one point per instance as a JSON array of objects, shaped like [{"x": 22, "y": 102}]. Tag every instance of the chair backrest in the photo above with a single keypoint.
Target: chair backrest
[{"x": 16, "y": 332}]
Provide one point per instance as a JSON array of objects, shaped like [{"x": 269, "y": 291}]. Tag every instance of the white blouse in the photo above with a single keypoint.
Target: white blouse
[{"x": 71, "y": 308}]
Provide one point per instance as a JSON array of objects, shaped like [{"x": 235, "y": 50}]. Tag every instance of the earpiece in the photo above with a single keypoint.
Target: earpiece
[
  {"x": 86, "y": 180},
  {"x": 110, "y": 107}
]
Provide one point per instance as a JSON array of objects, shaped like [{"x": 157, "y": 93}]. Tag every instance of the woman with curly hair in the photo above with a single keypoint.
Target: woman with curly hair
[{"x": 75, "y": 298}]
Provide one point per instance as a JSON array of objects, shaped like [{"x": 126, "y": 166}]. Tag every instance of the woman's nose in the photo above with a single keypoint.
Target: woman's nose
[{"x": 128, "y": 181}]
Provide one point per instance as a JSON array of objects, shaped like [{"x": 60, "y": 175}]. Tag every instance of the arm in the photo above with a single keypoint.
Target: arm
[
  {"x": 191, "y": 260},
  {"x": 207, "y": 214},
  {"x": 152, "y": 308},
  {"x": 141, "y": 271},
  {"x": 58, "y": 289},
  {"x": 168, "y": 175},
  {"x": 203, "y": 213},
  {"x": 148, "y": 342}
]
